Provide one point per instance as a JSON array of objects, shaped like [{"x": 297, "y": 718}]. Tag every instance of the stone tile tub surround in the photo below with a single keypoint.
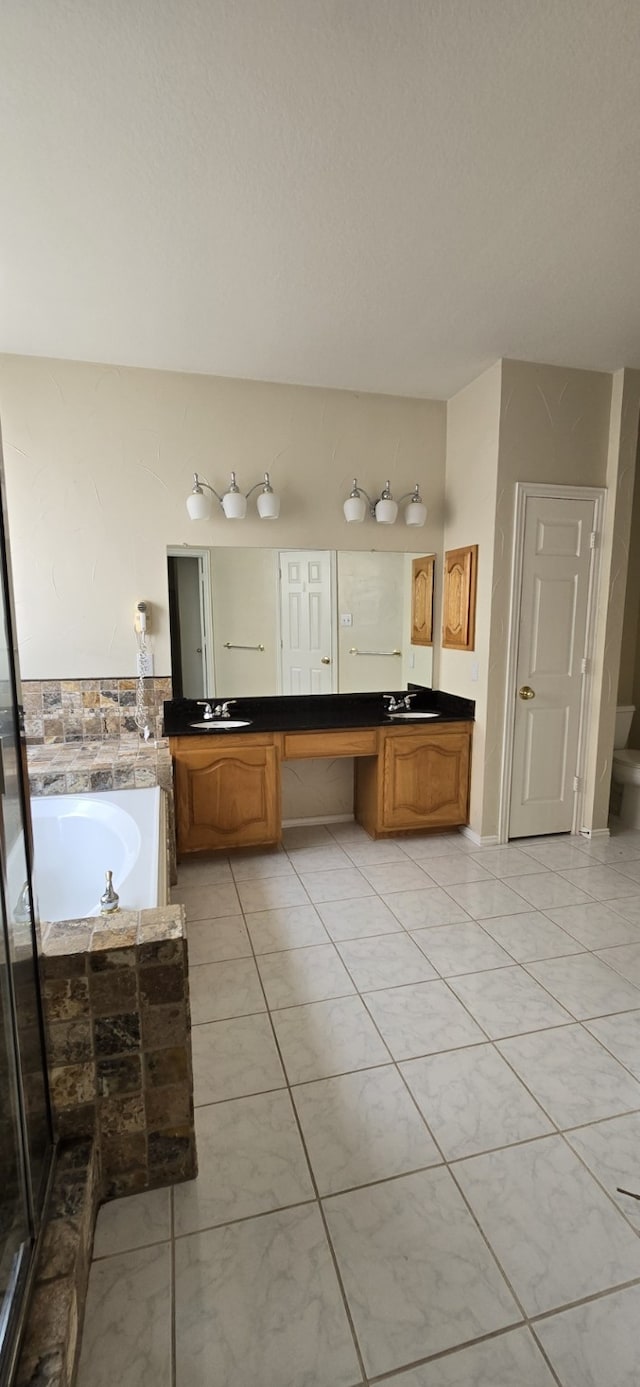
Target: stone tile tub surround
[
  {"x": 53, "y": 1331},
  {"x": 80, "y": 710},
  {"x": 118, "y": 1026}
]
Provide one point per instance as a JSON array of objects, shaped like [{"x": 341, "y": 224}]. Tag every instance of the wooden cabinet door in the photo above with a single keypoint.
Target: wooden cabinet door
[
  {"x": 227, "y": 798},
  {"x": 422, "y": 600},
  {"x": 425, "y": 780}
]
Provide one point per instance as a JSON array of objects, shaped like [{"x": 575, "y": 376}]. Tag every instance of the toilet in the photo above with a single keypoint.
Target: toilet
[{"x": 626, "y": 771}]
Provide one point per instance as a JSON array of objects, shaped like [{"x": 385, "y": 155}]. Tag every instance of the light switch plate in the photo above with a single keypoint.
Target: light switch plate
[{"x": 475, "y": 672}]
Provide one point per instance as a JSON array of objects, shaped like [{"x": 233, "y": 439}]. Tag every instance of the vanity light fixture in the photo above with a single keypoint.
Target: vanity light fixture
[
  {"x": 385, "y": 509},
  {"x": 234, "y": 502}
]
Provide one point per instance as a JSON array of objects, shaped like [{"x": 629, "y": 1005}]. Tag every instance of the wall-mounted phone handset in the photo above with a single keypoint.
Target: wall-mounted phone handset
[{"x": 145, "y": 666}]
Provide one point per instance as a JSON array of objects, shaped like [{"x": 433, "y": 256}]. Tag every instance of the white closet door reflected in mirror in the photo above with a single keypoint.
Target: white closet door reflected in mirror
[{"x": 250, "y": 622}]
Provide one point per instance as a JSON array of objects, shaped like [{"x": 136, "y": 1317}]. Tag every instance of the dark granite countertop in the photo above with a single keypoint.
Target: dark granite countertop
[{"x": 318, "y": 712}]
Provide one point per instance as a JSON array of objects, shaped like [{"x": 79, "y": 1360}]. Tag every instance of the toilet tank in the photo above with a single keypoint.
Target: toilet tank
[{"x": 624, "y": 719}]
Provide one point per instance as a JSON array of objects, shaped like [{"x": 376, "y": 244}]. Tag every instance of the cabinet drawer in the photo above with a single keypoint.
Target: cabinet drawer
[{"x": 358, "y": 742}]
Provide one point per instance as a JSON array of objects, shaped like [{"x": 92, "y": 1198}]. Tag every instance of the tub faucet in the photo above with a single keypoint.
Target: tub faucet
[{"x": 109, "y": 900}]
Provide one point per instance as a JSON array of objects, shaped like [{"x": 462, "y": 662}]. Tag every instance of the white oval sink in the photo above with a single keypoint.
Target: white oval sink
[
  {"x": 221, "y": 724},
  {"x": 414, "y": 717}
]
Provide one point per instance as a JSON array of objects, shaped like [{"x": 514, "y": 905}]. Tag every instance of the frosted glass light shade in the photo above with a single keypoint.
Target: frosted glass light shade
[
  {"x": 199, "y": 505},
  {"x": 355, "y": 509},
  {"x": 268, "y": 505},
  {"x": 234, "y": 505},
  {"x": 415, "y": 513},
  {"x": 386, "y": 512}
]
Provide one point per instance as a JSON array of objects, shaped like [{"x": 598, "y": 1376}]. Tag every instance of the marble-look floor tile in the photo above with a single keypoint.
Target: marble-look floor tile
[
  {"x": 554, "y": 854},
  {"x": 329, "y": 857},
  {"x": 546, "y": 890},
  {"x": 417, "y": 1274},
  {"x": 630, "y": 868},
  {"x": 207, "y": 902},
  {"x": 425, "y": 908},
  {"x": 423, "y": 846},
  {"x": 304, "y": 975},
  {"x": 585, "y": 985},
  {"x": 422, "y": 1019},
  {"x": 289, "y": 927},
  {"x": 270, "y": 893},
  {"x": 327, "y": 1038},
  {"x": 629, "y": 906},
  {"x": 385, "y": 960},
  {"x": 532, "y": 936},
  {"x": 127, "y": 1324},
  {"x": 258, "y": 1305},
  {"x": 473, "y": 1101},
  {"x": 137, "y": 1221},
  {"x": 455, "y": 868},
  {"x": 612, "y": 852},
  {"x": 221, "y": 990},
  {"x": 198, "y": 871},
  {"x": 595, "y": 926},
  {"x": 234, "y": 1058},
  {"x": 508, "y": 1360},
  {"x": 602, "y": 882},
  {"x": 344, "y": 885},
  {"x": 397, "y": 876},
  {"x": 365, "y": 854},
  {"x": 506, "y": 862},
  {"x": 362, "y": 1127},
  {"x": 255, "y": 866},
  {"x": 625, "y": 960},
  {"x": 554, "y": 1231},
  {"x": 250, "y": 1160},
  {"x": 610, "y": 1149},
  {"x": 482, "y": 899},
  {"x": 348, "y": 832},
  {"x": 508, "y": 1002},
  {"x": 357, "y": 919},
  {"x": 464, "y": 948},
  {"x": 215, "y": 941},
  {"x": 571, "y": 1075},
  {"x": 621, "y": 1035},
  {"x": 306, "y": 836},
  {"x": 596, "y": 1345}
]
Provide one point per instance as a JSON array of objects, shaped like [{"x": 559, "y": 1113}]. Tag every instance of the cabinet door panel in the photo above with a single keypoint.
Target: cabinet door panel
[
  {"x": 227, "y": 798},
  {"x": 426, "y": 780}
]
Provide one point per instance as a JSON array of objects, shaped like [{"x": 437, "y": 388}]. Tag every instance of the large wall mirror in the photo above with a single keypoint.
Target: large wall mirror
[{"x": 251, "y": 622}]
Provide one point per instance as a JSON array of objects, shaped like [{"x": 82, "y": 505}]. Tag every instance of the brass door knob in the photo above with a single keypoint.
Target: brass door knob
[
  {"x": 525, "y": 692},
  {"x": 325, "y": 660}
]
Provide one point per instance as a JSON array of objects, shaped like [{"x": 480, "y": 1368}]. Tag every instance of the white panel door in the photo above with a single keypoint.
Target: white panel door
[
  {"x": 306, "y": 626},
  {"x": 551, "y": 650}
]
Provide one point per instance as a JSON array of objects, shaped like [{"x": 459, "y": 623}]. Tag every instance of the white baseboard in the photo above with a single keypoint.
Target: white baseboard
[
  {"x": 594, "y": 833},
  {"x": 318, "y": 819},
  {"x": 491, "y": 841}
]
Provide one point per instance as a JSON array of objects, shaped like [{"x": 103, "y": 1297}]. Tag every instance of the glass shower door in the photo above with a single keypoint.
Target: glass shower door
[{"x": 25, "y": 1128}]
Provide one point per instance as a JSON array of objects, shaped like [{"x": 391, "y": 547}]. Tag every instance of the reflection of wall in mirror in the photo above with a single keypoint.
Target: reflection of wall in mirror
[
  {"x": 370, "y": 590},
  {"x": 245, "y": 586}
]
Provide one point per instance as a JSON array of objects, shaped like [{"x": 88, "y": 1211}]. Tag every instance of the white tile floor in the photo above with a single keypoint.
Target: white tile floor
[{"x": 418, "y": 1091}]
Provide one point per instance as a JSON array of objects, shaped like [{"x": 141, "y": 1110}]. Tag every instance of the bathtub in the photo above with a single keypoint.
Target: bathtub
[{"x": 77, "y": 838}]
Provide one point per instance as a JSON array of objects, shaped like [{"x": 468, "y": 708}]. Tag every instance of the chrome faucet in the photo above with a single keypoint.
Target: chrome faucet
[
  {"x": 208, "y": 710},
  {"x": 221, "y": 710},
  {"x": 397, "y": 704}
]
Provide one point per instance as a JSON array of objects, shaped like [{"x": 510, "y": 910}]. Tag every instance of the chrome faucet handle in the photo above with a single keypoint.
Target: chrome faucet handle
[
  {"x": 393, "y": 703},
  {"x": 407, "y": 699},
  {"x": 224, "y": 707}
]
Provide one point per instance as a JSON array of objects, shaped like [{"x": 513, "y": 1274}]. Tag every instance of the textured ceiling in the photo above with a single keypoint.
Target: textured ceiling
[{"x": 377, "y": 195}]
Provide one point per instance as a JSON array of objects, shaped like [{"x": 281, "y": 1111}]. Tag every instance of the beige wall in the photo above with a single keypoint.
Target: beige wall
[
  {"x": 554, "y": 427},
  {"x": 629, "y": 674},
  {"x": 473, "y": 423},
  {"x": 99, "y": 461}
]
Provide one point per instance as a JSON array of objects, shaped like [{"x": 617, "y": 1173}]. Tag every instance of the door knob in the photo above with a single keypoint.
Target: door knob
[
  {"x": 525, "y": 692},
  {"x": 198, "y": 650},
  {"x": 325, "y": 660}
]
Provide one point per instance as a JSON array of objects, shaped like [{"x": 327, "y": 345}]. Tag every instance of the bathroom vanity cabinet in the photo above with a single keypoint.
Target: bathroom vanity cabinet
[{"x": 227, "y": 785}]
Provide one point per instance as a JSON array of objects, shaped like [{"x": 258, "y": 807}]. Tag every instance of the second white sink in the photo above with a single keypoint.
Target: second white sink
[
  {"x": 415, "y": 717},
  {"x": 221, "y": 724}
]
